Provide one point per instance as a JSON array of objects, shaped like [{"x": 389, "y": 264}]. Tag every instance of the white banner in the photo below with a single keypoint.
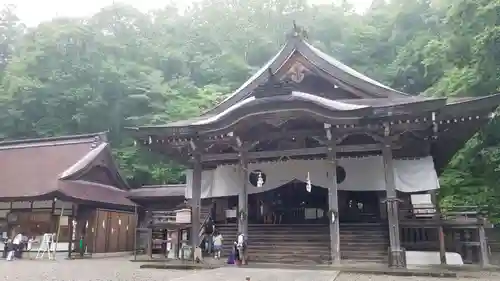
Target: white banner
[{"x": 362, "y": 174}]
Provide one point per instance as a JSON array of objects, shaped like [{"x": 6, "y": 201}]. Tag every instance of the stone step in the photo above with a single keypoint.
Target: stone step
[
  {"x": 317, "y": 258},
  {"x": 298, "y": 259},
  {"x": 289, "y": 241},
  {"x": 310, "y": 243}
]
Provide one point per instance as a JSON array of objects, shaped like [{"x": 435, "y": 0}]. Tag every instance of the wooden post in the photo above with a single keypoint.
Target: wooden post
[
  {"x": 150, "y": 243},
  {"x": 442, "y": 244},
  {"x": 135, "y": 231},
  {"x": 333, "y": 202},
  {"x": 483, "y": 245},
  {"x": 397, "y": 258},
  {"x": 440, "y": 229},
  {"x": 243, "y": 196},
  {"x": 196, "y": 203},
  {"x": 71, "y": 229},
  {"x": 58, "y": 229}
]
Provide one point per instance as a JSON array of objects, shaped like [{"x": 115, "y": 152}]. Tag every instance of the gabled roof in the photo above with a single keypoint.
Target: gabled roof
[
  {"x": 41, "y": 169},
  {"x": 296, "y": 44},
  {"x": 259, "y": 94}
]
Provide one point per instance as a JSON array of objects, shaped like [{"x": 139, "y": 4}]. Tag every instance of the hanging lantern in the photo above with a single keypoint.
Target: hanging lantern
[
  {"x": 332, "y": 216},
  {"x": 260, "y": 180},
  {"x": 308, "y": 183}
]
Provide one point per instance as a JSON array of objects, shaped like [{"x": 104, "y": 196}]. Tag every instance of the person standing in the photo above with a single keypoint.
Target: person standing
[
  {"x": 16, "y": 246},
  {"x": 241, "y": 246},
  {"x": 217, "y": 240},
  {"x": 208, "y": 231}
]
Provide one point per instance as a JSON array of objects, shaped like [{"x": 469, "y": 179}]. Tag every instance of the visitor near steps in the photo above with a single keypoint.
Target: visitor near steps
[{"x": 217, "y": 241}]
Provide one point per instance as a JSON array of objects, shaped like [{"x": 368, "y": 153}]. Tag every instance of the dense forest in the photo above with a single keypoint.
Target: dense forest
[{"x": 122, "y": 67}]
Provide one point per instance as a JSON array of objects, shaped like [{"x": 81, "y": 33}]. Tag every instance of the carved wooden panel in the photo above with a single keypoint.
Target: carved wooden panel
[{"x": 297, "y": 72}]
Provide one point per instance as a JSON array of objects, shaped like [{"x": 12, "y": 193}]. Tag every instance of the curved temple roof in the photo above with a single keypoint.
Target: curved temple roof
[
  {"x": 377, "y": 100},
  {"x": 251, "y": 101},
  {"x": 333, "y": 67},
  {"x": 301, "y": 79}
]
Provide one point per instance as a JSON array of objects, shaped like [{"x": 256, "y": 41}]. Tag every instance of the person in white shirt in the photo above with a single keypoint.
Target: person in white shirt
[
  {"x": 241, "y": 246},
  {"x": 217, "y": 241},
  {"x": 16, "y": 243}
]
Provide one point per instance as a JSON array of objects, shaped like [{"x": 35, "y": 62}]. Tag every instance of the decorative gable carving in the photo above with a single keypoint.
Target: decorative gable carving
[{"x": 297, "y": 72}]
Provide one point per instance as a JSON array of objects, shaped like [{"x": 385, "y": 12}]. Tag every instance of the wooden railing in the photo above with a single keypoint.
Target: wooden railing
[{"x": 420, "y": 227}]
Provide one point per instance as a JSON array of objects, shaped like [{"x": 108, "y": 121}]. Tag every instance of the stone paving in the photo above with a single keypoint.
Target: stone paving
[{"x": 120, "y": 269}]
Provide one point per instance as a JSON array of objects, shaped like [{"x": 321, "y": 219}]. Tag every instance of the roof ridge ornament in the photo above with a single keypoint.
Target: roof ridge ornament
[{"x": 298, "y": 32}]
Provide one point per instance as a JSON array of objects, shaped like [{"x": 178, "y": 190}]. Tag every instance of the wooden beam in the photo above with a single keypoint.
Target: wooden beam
[{"x": 292, "y": 152}]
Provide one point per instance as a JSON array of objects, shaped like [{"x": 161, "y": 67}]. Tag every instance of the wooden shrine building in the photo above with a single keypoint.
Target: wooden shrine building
[
  {"x": 67, "y": 185},
  {"x": 346, "y": 153}
]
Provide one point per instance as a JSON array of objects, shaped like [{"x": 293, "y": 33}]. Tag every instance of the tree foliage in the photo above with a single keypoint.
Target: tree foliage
[{"x": 121, "y": 67}]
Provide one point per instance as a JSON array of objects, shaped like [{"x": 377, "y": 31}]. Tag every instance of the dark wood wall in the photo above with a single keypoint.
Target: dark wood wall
[{"x": 110, "y": 231}]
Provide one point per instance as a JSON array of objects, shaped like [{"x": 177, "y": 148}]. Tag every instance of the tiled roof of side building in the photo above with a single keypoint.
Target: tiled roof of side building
[{"x": 41, "y": 169}]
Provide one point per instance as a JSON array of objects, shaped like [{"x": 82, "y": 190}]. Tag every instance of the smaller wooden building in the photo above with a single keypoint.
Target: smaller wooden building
[
  {"x": 156, "y": 214},
  {"x": 67, "y": 185}
]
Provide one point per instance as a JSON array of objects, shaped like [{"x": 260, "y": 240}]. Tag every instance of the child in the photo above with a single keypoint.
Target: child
[{"x": 217, "y": 239}]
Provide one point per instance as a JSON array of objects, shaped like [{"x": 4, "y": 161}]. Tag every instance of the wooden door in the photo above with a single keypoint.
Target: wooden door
[
  {"x": 113, "y": 232},
  {"x": 132, "y": 223},
  {"x": 101, "y": 231},
  {"x": 122, "y": 231}
]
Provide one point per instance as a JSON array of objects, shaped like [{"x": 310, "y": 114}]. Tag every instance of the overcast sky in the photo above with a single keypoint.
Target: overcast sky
[{"x": 33, "y": 12}]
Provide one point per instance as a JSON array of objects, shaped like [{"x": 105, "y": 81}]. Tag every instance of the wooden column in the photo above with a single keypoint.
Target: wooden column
[
  {"x": 397, "y": 258},
  {"x": 483, "y": 245},
  {"x": 440, "y": 229},
  {"x": 196, "y": 202},
  {"x": 71, "y": 229},
  {"x": 243, "y": 196},
  {"x": 333, "y": 202}
]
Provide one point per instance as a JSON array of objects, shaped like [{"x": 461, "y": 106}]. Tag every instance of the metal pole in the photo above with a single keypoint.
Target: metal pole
[{"x": 135, "y": 232}]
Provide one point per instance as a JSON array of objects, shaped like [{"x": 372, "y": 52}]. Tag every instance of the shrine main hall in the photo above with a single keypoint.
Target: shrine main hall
[{"x": 312, "y": 159}]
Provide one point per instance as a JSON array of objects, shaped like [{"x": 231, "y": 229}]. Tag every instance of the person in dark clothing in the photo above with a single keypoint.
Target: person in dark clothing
[{"x": 209, "y": 230}]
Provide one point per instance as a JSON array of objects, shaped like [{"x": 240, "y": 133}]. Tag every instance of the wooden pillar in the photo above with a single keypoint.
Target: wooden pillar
[
  {"x": 71, "y": 229},
  {"x": 196, "y": 202},
  {"x": 483, "y": 245},
  {"x": 440, "y": 229},
  {"x": 397, "y": 258},
  {"x": 243, "y": 196},
  {"x": 333, "y": 201},
  {"x": 442, "y": 243}
]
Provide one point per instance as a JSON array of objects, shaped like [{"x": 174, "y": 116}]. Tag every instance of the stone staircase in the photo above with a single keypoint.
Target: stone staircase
[
  {"x": 366, "y": 242},
  {"x": 310, "y": 244}
]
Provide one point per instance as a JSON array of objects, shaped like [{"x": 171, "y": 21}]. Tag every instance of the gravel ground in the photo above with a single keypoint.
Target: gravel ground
[
  {"x": 120, "y": 269},
  {"x": 83, "y": 270},
  {"x": 359, "y": 277}
]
